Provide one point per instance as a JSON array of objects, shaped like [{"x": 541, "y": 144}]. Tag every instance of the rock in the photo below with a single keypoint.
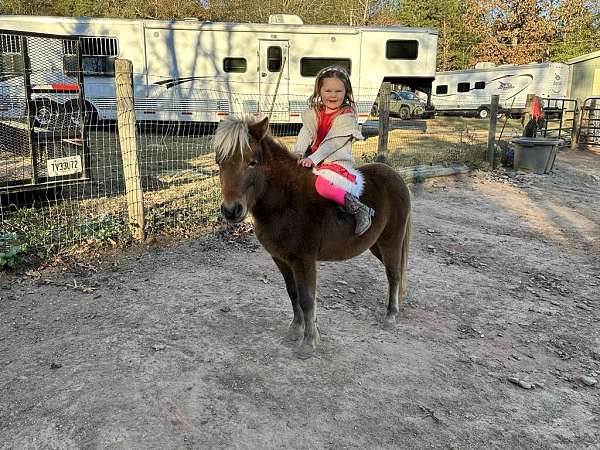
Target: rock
[
  {"x": 345, "y": 283},
  {"x": 225, "y": 309},
  {"x": 431, "y": 248},
  {"x": 352, "y": 290},
  {"x": 521, "y": 383},
  {"x": 158, "y": 347},
  {"x": 588, "y": 381},
  {"x": 55, "y": 365},
  {"x": 430, "y": 230}
]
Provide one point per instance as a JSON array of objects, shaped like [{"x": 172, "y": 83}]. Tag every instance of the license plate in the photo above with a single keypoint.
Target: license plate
[{"x": 64, "y": 166}]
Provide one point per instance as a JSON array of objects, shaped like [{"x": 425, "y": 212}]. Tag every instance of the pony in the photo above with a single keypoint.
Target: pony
[{"x": 259, "y": 175}]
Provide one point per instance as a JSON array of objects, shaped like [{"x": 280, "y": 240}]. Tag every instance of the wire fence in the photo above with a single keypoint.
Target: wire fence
[{"x": 64, "y": 170}]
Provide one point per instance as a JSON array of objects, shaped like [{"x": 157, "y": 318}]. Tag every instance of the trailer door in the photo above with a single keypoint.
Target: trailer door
[{"x": 273, "y": 79}]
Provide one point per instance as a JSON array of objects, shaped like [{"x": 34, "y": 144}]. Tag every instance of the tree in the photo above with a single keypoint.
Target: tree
[
  {"x": 447, "y": 17},
  {"x": 510, "y": 32},
  {"x": 578, "y": 26}
]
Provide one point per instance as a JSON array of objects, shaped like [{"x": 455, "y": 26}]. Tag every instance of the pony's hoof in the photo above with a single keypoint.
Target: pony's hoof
[
  {"x": 293, "y": 335},
  {"x": 389, "y": 324},
  {"x": 294, "y": 332},
  {"x": 305, "y": 351}
]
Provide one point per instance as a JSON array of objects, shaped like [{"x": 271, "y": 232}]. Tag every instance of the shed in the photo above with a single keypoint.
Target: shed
[{"x": 585, "y": 76}]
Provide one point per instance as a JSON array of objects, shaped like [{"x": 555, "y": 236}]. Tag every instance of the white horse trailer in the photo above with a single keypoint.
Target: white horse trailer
[
  {"x": 201, "y": 71},
  {"x": 470, "y": 91}
]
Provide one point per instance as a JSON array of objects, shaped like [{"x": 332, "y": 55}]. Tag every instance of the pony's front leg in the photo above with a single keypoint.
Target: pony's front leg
[
  {"x": 296, "y": 328},
  {"x": 305, "y": 274}
]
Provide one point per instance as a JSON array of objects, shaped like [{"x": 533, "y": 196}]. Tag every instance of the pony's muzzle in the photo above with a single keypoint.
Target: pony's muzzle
[{"x": 234, "y": 213}]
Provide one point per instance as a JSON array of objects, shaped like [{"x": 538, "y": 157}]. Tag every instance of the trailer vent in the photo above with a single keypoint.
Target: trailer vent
[
  {"x": 290, "y": 19},
  {"x": 11, "y": 61},
  {"x": 10, "y": 43},
  {"x": 93, "y": 46}
]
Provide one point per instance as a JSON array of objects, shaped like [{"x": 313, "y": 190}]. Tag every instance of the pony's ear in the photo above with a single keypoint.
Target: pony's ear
[{"x": 260, "y": 129}]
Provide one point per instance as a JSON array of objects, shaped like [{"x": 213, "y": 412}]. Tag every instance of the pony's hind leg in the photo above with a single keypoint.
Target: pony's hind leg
[
  {"x": 296, "y": 329},
  {"x": 395, "y": 259},
  {"x": 390, "y": 257}
]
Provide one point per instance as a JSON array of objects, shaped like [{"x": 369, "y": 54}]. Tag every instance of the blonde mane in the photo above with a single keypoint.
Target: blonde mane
[{"x": 231, "y": 137}]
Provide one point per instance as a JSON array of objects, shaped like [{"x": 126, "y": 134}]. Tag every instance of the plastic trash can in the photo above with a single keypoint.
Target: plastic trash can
[{"x": 536, "y": 154}]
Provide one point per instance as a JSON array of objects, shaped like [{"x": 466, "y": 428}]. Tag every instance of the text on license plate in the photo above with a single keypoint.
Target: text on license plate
[{"x": 64, "y": 166}]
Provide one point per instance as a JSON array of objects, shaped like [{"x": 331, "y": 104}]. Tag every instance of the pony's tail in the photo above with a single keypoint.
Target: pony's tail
[{"x": 404, "y": 255}]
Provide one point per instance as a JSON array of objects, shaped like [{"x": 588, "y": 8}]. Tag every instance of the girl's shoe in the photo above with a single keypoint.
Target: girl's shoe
[{"x": 361, "y": 212}]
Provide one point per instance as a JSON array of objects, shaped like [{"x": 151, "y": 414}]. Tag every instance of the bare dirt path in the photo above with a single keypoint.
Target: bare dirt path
[{"x": 179, "y": 345}]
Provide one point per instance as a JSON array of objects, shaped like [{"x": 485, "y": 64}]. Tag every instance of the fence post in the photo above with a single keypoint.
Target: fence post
[
  {"x": 384, "y": 121},
  {"x": 490, "y": 156},
  {"x": 577, "y": 113},
  {"x": 128, "y": 144}
]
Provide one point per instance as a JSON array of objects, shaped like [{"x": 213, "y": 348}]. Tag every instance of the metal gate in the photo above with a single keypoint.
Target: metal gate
[
  {"x": 43, "y": 139},
  {"x": 561, "y": 114},
  {"x": 589, "y": 125}
]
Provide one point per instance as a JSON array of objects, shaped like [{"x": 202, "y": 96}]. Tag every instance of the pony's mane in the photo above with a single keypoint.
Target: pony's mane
[{"x": 231, "y": 137}]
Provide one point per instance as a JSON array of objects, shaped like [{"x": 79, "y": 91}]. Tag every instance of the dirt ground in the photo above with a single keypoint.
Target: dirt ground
[{"x": 174, "y": 345}]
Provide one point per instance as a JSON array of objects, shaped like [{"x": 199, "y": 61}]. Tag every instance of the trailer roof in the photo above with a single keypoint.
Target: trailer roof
[
  {"x": 221, "y": 26},
  {"x": 584, "y": 57},
  {"x": 498, "y": 68}
]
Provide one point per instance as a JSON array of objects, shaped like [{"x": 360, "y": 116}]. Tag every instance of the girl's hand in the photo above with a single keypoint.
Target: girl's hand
[{"x": 305, "y": 162}]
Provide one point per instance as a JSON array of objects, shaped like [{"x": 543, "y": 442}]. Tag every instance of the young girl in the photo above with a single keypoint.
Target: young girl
[{"x": 325, "y": 143}]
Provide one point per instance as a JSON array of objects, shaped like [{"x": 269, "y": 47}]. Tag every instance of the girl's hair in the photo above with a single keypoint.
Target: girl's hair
[{"x": 316, "y": 102}]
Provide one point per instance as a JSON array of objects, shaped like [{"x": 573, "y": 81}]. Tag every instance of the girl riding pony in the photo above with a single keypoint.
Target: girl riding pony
[{"x": 325, "y": 143}]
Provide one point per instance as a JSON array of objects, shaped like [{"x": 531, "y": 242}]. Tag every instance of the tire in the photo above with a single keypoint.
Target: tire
[
  {"x": 404, "y": 113},
  {"x": 418, "y": 111},
  {"x": 44, "y": 112},
  {"x": 375, "y": 110},
  {"x": 90, "y": 115},
  {"x": 483, "y": 113}
]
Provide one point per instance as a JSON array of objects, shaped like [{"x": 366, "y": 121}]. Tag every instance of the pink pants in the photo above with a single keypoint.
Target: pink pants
[{"x": 328, "y": 190}]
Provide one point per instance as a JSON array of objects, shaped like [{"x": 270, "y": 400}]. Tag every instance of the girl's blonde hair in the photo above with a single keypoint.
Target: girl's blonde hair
[{"x": 316, "y": 102}]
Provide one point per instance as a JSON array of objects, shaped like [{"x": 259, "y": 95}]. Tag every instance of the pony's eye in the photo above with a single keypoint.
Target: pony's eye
[{"x": 252, "y": 163}]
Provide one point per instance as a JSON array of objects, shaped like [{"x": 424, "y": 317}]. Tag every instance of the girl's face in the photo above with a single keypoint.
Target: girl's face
[{"x": 332, "y": 93}]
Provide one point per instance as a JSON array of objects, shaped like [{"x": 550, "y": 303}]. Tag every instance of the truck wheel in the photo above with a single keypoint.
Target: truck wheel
[
  {"x": 483, "y": 113},
  {"x": 404, "y": 113},
  {"x": 418, "y": 111}
]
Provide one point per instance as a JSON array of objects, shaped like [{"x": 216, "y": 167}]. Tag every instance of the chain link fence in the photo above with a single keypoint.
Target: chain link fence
[{"x": 176, "y": 172}]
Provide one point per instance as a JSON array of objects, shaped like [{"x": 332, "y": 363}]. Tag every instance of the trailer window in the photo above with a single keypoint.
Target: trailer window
[
  {"x": 274, "y": 59},
  {"x": 309, "y": 67},
  {"x": 441, "y": 89},
  {"x": 401, "y": 49},
  {"x": 235, "y": 65},
  {"x": 97, "y": 56},
  {"x": 479, "y": 85},
  {"x": 463, "y": 87}
]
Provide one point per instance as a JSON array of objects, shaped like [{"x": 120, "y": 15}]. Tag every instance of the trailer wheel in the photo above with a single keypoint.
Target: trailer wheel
[
  {"x": 90, "y": 114},
  {"x": 483, "y": 113},
  {"x": 43, "y": 111}
]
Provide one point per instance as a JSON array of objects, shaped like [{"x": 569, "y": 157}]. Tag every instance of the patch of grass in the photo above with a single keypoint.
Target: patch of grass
[{"x": 12, "y": 251}]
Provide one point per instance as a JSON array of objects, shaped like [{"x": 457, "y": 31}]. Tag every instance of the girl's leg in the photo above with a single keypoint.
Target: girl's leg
[
  {"x": 361, "y": 212},
  {"x": 327, "y": 189}
]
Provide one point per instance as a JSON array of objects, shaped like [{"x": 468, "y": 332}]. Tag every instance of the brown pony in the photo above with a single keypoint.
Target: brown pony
[{"x": 298, "y": 227}]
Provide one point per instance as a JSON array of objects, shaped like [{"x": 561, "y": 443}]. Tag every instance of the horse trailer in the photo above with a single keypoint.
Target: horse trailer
[
  {"x": 470, "y": 91},
  {"x": 52, "y": 150},
  {"x": 197, "y": 71}
]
